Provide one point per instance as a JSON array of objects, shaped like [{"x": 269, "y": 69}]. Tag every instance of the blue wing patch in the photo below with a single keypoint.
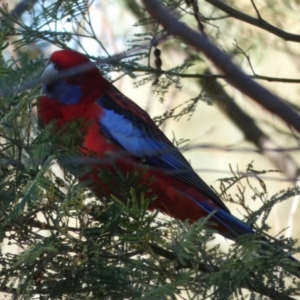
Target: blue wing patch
[{"x": 132, "y": 128}]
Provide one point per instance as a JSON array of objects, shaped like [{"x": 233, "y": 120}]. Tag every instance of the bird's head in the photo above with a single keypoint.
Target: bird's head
[{"x": 70, "y": 78}]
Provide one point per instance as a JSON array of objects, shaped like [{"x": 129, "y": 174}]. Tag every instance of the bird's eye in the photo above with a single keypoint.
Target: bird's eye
[{"x": 56, "y": 66}]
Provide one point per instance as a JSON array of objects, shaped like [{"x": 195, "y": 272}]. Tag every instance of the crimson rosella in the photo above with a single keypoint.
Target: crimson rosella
[{"x": 115, "y": 124}]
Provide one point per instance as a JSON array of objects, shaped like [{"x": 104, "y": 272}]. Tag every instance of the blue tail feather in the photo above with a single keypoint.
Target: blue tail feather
[{"x": 235, "y": 226}]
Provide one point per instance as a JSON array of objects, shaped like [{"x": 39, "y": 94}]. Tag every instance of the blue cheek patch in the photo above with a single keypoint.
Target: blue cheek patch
[{"x": 62, "y": 92}]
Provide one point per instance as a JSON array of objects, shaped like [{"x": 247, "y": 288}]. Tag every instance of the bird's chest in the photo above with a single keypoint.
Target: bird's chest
[
  {"x": 108, "y": 154},
  {"x": 95, "y": 143}
]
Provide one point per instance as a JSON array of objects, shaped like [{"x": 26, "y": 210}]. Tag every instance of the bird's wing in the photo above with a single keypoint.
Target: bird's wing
[{"x": 132, "y": 128}]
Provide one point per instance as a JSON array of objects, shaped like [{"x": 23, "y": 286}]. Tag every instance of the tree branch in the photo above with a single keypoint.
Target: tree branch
[
  {"x": 263, "y": 290},
  {"x": 205, "y": 76},
  {"x": 247, "y": 125},
  {"x": 260, "y": 23},
  {"x": 235, "y": 76}
]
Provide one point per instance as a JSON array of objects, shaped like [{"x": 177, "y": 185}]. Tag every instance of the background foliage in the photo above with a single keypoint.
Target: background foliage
[{"x": 60, "y": 242}]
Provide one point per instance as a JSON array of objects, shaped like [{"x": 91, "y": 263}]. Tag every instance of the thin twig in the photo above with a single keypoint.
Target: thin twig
[
  {"x": 235, "y": 76},
  {"x": 260, "y": 23},
  {"x": 257, "y": 11}
]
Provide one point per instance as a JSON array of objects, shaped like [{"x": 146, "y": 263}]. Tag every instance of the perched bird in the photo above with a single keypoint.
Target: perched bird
[{"x": 116, "y": 127}]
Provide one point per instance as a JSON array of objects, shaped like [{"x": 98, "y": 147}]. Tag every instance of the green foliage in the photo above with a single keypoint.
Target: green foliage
[{"x": 63, "y": 242}]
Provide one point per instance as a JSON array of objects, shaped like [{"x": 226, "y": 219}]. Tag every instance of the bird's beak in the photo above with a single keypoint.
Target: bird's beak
[{"x": 48, "y": 75}]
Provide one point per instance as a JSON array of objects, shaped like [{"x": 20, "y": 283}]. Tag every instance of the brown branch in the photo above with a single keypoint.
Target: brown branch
[
  {"x": 235, "y": 76},
  {"x": 256, "y": 136},
  {"x": 251, "y": 131},
  {"x": 260, "y": 23},
  {"x": 209, "y": 269},
  {"x": 198, "y": 75}
]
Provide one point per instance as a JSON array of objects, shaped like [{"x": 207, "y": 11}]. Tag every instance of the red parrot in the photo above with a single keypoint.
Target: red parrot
[{"x": 116, "y": 125}]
